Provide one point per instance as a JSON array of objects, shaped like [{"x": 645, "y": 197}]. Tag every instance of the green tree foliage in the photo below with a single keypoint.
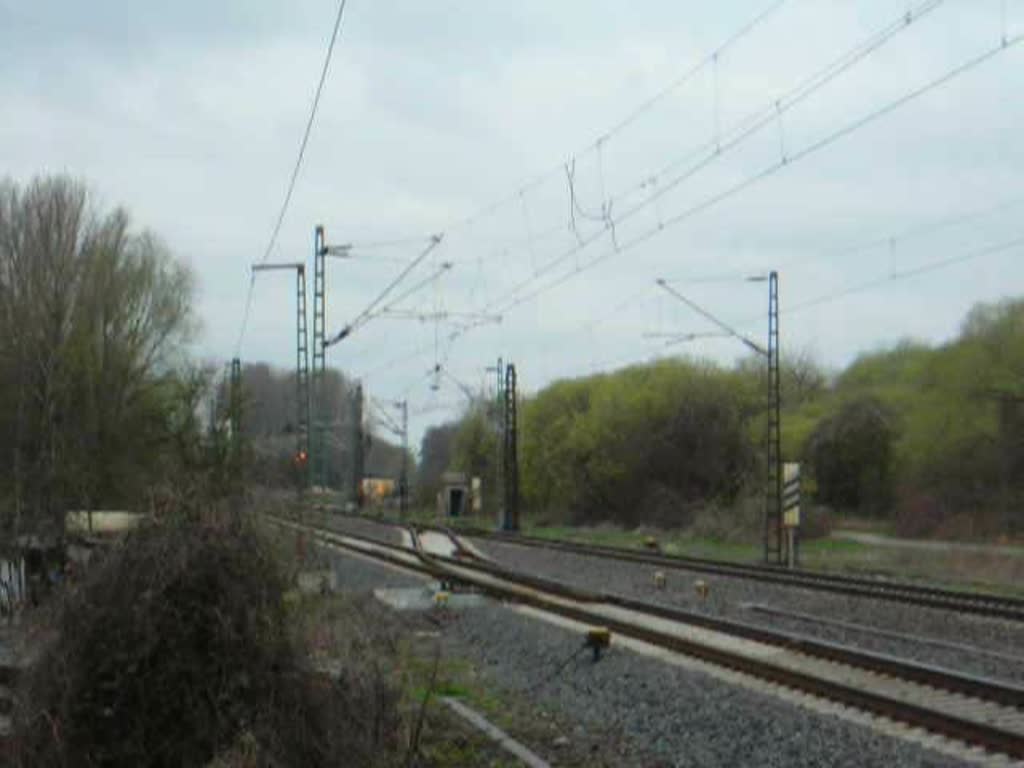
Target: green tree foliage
[
  {"x": 953, "y": 415},
  {"x": 850, "y": 454},
  {"x": 475, "y": 446},
  {"x": 436, "y": 450},
  {"x": 269, "y": 418},
  {"x": 93, "y": 315},
  {"x": 908, "y": 430},
  {"x": 642, "y": 444}
]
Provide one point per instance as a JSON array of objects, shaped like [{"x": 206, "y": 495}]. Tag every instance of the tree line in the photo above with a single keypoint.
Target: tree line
[
  {"x": 929, "y": 437},
  {"x": 101, "y": 404},
  {"x": 269, "y": 419}
]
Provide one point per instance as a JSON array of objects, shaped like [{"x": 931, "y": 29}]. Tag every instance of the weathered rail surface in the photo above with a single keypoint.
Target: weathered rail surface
[
  {"x": 979, "y": 711},
  {"x": 8, "y": 679},
  {"x": 976, "y": 603}
]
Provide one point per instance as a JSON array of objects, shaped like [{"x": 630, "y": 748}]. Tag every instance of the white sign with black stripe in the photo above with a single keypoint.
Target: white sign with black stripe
[{"x": 791, "y": 494}]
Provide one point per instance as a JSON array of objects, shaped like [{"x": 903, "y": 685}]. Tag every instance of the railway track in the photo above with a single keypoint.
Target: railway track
[
  {"x": 976, "y": 603},
  {"x": 8, "y": 678},
  {"x": 978, "y": 711},
  {"x": 982, "y": 604}
]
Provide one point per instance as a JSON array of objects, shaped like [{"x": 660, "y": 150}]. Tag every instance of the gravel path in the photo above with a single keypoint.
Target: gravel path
[
  {"x": 728, "y": 597},
  {"x": 630, "y": 710}
]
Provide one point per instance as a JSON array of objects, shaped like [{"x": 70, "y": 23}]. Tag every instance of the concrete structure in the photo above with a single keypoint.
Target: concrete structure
[{"x": 454, "y": 498}]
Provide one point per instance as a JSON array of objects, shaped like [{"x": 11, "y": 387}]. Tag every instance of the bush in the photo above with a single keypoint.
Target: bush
[
  {"x": 817, "y": 522},
  {"x": 742, "y": 523},
  {"x": 663, "y": 506},
  {"x": 851, "y": 456},
  {"x": 919, "y": 514},
  {"x": 175, "y": 650},
  {"x": 639, "y": 445}
]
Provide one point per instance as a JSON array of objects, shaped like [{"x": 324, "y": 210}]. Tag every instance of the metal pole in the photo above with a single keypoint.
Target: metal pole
[
  {"x": 320, "y": 411},
  {"x": 773, "y": 544},
  {"x": 403, "y": 482},
  {"x": 511, "y": 464},
  {"x": 235, "y": 406},
  {"x": 358, "y": 446},
  {"x": 302, "y": 378},
  {"x": 499, "y": 458},
  {"x": 301, "y": 366}
]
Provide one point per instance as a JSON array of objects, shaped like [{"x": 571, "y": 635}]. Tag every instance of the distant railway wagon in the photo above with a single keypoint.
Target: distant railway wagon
[{"x": 376, "y": 489}]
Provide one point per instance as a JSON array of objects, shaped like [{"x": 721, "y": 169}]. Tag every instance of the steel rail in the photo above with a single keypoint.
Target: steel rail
[
  {"x": 551, "y": 597},
  {"x": 982, "y": 604}
]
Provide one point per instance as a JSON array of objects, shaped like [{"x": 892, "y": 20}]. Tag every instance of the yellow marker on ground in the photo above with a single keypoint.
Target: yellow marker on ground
[{"x": 597, "y": 639}]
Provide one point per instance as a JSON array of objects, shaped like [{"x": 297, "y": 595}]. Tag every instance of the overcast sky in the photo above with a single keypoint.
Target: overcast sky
[{"x": 190, "y": 115}]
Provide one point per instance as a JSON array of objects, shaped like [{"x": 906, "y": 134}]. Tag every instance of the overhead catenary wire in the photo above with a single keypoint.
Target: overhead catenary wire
[
  {"x": 306, "y": 133},
  {"x": 910, "y": 233},
  {"x": 768, "y": 171},
  {"x": 728, "y": 329},
  {"x": 622, "y": 124},
  {"x": 890, "y": 240},
  {"x": 787, "y": 159},
  {"x": 366, "y": 314},
  {"x": 407, "y": 354},
  {"x": 416, "y": 287},
  {"x": 712, "y": 151},
  {"x": 295, "y": 172},
  {"x": 847, "y": 291},
  {"x": 905, "y": 274},
  {"x": 783, "y": 156}
]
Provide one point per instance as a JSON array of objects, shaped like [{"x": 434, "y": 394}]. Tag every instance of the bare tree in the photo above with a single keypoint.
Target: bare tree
[{"x": 91, "y": 314}]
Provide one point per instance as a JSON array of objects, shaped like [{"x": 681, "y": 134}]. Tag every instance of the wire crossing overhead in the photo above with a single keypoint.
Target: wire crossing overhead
[
  {"x": 295, "y": 170},
  {"x": 363, "y": 317},
  {"x": 711, "y": 152},
  {"x": 514, "y": 197},
  {"x": 827, "y": 298},
  {"x": 764, "y": 173},
  {"x": 588, "y": 211},
  {"x": 729, "y": 330},
  {"x": 305, "y": 134}
]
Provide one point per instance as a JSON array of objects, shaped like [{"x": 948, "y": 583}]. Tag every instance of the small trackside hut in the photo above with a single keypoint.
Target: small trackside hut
[{"x": 454, "y": 498}]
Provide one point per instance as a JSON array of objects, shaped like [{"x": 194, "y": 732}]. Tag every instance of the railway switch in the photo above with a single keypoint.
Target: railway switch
[
  {"x": 659, "y": 579},
  {"x": 597, "y": 639}
]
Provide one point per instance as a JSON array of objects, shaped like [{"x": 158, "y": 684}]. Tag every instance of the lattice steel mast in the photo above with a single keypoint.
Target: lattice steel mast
[
  {"x": 302, "y": 405},
  {"x": 510, "y": 517},
  {"x": 773, "y": 502}
]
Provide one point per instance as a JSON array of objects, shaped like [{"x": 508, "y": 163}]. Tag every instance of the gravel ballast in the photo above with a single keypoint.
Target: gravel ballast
[
  {"x": 632, "y": 710},
  {"x": 647, "y": 707},
  {"x": 730, "y": 597}
]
